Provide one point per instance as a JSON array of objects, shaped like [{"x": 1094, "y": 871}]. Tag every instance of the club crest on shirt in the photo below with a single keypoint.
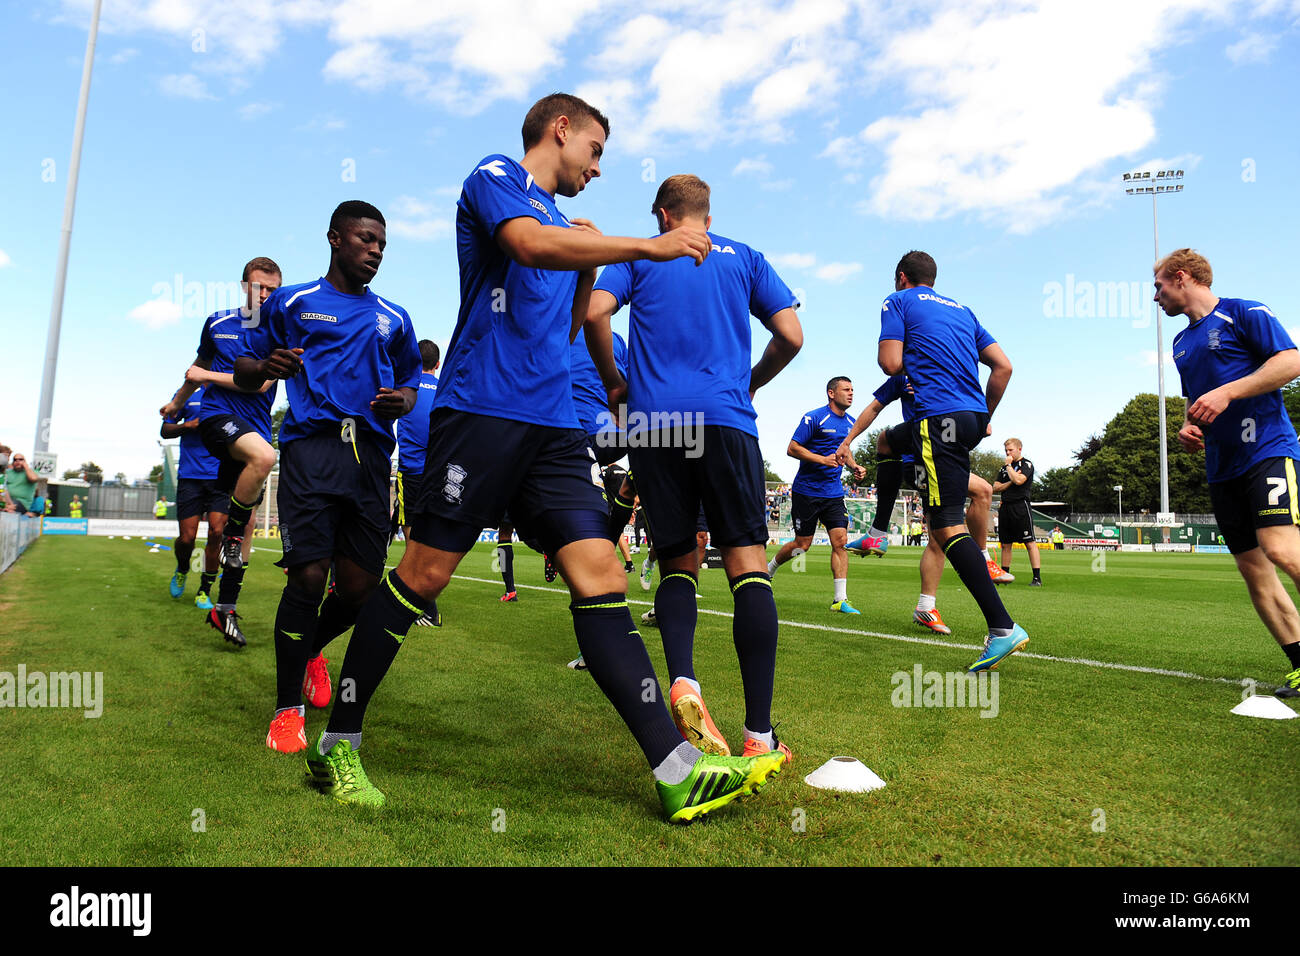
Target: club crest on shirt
[
  {"x": 383, "y": 323},
  {"x": 1212, "y": 339}
]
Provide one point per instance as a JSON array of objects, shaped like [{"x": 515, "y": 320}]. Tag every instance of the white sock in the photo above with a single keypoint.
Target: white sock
[
  {"x": 677, "y": 766},
  {"x": 768, "y": 738},
  {"x": 694, "y": 683},
  {"x": 841, "y": 589},
  {"x": 987, "y": 557},
  {"x": 771, "y": 567},
  {"x": 925, "y": 602}
]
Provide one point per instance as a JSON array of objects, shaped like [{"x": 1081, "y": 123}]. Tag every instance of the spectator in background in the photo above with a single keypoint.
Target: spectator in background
[
  {"x": 20, "y": 485},
  {"x": 74, "y": 507},
  {"x": 40, "y": 502}
]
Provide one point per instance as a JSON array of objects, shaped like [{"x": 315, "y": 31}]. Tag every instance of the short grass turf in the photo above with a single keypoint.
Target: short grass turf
[{"x": 491, "y": 751}]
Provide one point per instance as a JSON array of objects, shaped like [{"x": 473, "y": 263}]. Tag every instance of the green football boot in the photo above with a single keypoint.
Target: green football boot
[
  {"x": 1290, "y": 685},
  {"x": 716, "y": 781},
  {"x": 339, "y": 774}
]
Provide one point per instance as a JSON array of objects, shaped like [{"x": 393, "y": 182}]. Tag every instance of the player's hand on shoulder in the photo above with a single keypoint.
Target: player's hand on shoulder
[
  {"x": 585, "y": 225},
  {"x": 683, "y": 241},
  {"x": 282, "y": 363},
  {"x": 1190, "y": 437}
]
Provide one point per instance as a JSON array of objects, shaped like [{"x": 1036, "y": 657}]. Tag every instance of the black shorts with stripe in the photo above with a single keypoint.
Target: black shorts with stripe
[
  {"x": 219, "y": 433},
  {"x": 1264, "y": 497},
  {"x": 806, "y": 511},
  {"x": 716, "y": 486},
  {"x": 196, "y": 497},
  {"x": 551, "y": 489},
  {"x": 942, "y": 445},
  {"x": 334, "y": 500}
]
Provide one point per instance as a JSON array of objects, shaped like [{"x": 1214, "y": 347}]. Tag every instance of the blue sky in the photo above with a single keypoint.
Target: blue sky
[{"x": 836, "y": 135}]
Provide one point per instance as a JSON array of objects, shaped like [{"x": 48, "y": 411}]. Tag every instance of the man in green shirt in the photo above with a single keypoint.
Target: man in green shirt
[{"x": 20, "y": 485}]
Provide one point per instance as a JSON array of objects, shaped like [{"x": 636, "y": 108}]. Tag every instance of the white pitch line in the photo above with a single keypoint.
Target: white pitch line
[{"x": 1086, "y": 662}]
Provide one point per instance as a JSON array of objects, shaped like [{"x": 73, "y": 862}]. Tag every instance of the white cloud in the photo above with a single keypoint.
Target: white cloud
[
  {"x": 757, "y": 166},
  {"x": 1003, "y": 124},
  {"x": 837, "y": 271},
  {"x": 418, "y": 220},
  {"x": 793, "y": 260},
  {"x": 4, "y": 259},
  {"x": 252, "y": 111},
  {"x": 184, "y": 86},
  {"x": 123, "y": 56},
  {"x": 156, "y": 313},
  {"x": 1253, "y": 49}
]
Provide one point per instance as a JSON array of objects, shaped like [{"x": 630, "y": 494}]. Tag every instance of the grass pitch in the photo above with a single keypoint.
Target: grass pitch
[{"x": 491, "y": 751}]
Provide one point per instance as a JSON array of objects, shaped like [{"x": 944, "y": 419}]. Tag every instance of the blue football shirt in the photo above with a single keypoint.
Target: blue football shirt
[
  {"x": 221, "y": 341},
  {"x": 942, "y": 341},
  {"x": 689, "y": 334},
  {"x": 590, "y": 399},
  {"x": 509, "y": 353},
  {"x": 352, "y": 346},
  {"x": 1230, "y": 343},
  {"x": 821, "y": 431},
  {"x": 196, "y": 461},
  {"x": 413, "y": 428}
]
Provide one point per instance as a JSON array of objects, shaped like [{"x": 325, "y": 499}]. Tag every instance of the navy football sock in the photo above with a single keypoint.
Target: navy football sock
[
  {"x": 889, "y": 478},
  {"x": 754, "y": 632},
  {"x": 618, "y": 662},
  {"x": 295, "y": 631},
  {"x": 675, "y": 612},
  {"x": 964, "y": 555},
  {"x": 336, "y": 617},
  {"x": 381, "y": 628}
]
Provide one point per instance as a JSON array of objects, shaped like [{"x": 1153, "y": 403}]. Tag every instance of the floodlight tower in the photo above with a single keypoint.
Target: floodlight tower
[
  {"x": 1163, "y": 182},
  {"x": 1119, "y": 525}
]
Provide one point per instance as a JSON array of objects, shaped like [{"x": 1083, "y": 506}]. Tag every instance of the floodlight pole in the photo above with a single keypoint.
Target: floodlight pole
[
  {"x": 42, "y": 443},
  {"x": 1160, "y": 374}
]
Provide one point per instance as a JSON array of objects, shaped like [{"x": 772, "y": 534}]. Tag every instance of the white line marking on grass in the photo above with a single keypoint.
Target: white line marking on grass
[{"x": 1086, "y": 662}]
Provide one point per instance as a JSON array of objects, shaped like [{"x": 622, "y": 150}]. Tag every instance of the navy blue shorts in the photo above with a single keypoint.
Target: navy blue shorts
[
  {"x": 334, "y": 500},
  {"x": 1261, "y": 498},
  {"x": 943, "y": 444},
  {"x": 219, "y": 432},
  {"x": 722, "y": 488},
  {"x": 196, "y": 497},
  {"x": 478, "y": 466},
  {"x": 806, "y": 511}
]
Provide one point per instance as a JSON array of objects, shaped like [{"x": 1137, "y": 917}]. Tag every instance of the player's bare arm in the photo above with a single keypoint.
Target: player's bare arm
[
  {"x": 601, "y": 306},
  {"x": 889, "y": 356},
  {"x": 798, "y": 452},
  {"x": 1278, "y": 371},
  {"x": 787, "y": 340},
  {"x": 189, "y": 388},
  {"x": 251, "y": 374},
  {"x": 529, "y": 243},
  {"x": 999, "y": 374},
  {"x": 844, "y": 454},
  {"x": 199, "y": 375}
]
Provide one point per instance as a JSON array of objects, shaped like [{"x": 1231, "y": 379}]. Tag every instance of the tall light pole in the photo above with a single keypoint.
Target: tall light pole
[
  {"x": 1119, "y": 525},
  {"x": 1145, "y": 183},
  {"x": 42, "y": 443}
]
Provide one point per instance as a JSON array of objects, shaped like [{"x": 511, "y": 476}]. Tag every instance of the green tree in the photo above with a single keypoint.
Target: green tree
[
  {"x": 1291, "y": 399},
  {"x": 89, "y": 471},
  {"x": 1128, "y": 454},
  {"x": 986, "y": 464},
  {"x": 1053, "y": 485},
  {"x": 865, "y": 455},
  {"x": 120, "y": 477},
  {"x": 277, "y": 419},
  {"x": 769, "y": 474},
  {"x": 156, "y": 473}
]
